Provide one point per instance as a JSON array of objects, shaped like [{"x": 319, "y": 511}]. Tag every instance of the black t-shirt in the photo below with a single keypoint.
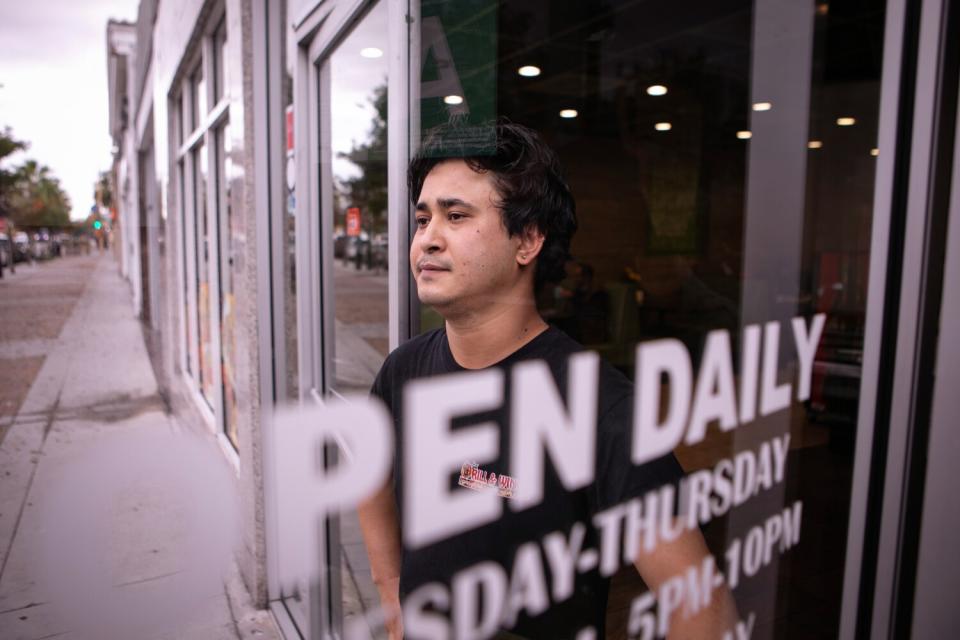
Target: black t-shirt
[{"x": 616, "y": 479}]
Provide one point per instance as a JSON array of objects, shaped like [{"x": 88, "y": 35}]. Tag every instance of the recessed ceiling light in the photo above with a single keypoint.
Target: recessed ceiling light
[
  {"x": 568, "y": 113},
  {"x": 823, "y": 9},
  {"x": 529, "y": 71},
  {"x": 663, "y": 126},
  {"x": 371, "y": 52},
  {"x": 657, "y": 90},
  {"x": 762, "y": 106},
  {"x": 814, "y": 144},
  {"x": 744, "y": 135},
  {"x": 846, "y": 122},
  {"x": 453, "y": 100},
  {"x": 874, "y": 152}
]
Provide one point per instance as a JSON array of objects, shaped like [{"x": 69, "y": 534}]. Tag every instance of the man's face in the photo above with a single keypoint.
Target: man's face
[{"x": 461, "y": 255}]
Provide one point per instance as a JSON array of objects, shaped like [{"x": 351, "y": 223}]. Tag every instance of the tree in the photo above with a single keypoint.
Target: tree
[
  {"x": 369, "y": 190},
  {"x": 102, "y": 192},
  {"x": 29, "y": 194},
  {"x": 8, "y": 179},
  {"x": 37, "y": 200}
]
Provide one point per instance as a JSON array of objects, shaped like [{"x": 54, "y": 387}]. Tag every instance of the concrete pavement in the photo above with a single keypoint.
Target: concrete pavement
[{"x": 115, "y": 519}]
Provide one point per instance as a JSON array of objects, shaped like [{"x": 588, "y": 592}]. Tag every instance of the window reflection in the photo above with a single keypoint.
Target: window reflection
[
  {"x": 227, "y": 231},
  {"x": 198, "y": 98},
  {"x": 203, "y": 253},
  {"x": 358, "y": 115},
  {"x": 219, "y": 59}
]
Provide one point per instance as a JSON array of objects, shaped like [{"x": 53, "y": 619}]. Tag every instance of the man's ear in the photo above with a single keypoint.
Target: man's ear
[{"x": 531, "y": 242}]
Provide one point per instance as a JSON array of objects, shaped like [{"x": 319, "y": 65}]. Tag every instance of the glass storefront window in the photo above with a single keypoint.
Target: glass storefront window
[
  {"x": 358, "y": 130},
  {"x": 219, "y": 60},
  {"x": 204, "y": 236},
  {"x": 722, "y": 156},
  {"x": 715, "y": 193},
  {"x": 210, "y": 233},
  {"x": 227, "y": 230},
  {"x": 188, "y": 359},
  {"x": 198, "y": 98}
]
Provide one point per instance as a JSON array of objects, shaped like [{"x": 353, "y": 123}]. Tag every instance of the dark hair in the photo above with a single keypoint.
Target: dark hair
[{"x": 528, "y": 176}]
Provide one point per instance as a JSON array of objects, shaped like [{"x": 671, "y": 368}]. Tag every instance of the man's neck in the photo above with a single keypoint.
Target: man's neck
[{"x": 478, "y": 341}]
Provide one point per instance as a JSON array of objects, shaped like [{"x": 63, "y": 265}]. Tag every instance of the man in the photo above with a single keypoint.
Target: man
[{"x": 489, "y": 229}]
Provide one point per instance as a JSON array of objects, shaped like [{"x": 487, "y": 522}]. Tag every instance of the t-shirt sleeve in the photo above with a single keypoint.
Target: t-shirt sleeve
[
  {"x": 376, "y": 389},
  {"x": 617, "y": 478},
  {"x": 381, "y": 387}
]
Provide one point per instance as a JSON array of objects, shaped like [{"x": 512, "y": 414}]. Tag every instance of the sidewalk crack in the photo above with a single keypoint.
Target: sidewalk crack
[
  {"x": 233, "y": 615},
  {"x": 23, "y": 608}
]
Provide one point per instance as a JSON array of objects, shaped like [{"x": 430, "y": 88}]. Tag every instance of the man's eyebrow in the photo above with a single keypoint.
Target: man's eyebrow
[{"x": 445, "y": 203}]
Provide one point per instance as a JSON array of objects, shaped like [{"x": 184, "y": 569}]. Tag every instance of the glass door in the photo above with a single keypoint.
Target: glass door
[
  {"x": 723, "y": 160},
  {"x": 339, "y": 122}
]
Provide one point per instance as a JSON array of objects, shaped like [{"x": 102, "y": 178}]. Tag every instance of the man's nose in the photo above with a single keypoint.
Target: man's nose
[{"x": 431, "y": 237}]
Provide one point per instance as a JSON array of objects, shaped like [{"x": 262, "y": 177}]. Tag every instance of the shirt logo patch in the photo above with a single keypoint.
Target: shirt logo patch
[{"x": 473, "y": 477}]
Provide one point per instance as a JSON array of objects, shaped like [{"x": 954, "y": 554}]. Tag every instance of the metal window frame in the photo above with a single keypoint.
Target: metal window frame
[
  {"x": 267, "y": 36},
  {"x": 903, "y": 298},
  {"x": 205, "y": 131},
  {"x": 887, "y": 132},
  {"x": 321, "y": 22},
  {"x": 938, "y": 578},
  {"x": 933, "y": 135}
]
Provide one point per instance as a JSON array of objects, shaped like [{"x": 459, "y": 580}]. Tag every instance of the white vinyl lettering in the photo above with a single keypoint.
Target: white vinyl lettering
[
  {"x": 528, "y": 585},
  {"x": 543, "y": 425},
  {"x": 749, "y": 364},
  {"x": 307, "y": 490},
  {"x": 714, "y": 398},
  {"x": 652, "y": 437},
  {"x": 562, "y": 558},
  {"x": 433, "y": 452},
  {"x": 484, "y": 582},
  {"x": 420, "y": 622},
  {"x": 806, "y": 350},
  {"x": 773, "y": 396}
]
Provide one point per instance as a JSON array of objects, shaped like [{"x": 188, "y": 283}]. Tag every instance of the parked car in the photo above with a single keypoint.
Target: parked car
[
  {"x": 21, "y": 247},
  {"x": 6, "y": 250},
  {"x": 41, "y": 246},
  {"x": 340, "y": 245},
  {"x": 378, "y": 257},
  {"x": 57, "y": 244}
]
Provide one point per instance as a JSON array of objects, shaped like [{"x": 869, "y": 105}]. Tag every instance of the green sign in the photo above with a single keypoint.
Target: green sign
[{"x": 458, "y": 75}]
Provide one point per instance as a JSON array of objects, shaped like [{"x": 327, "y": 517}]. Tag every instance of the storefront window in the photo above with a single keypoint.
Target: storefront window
[
  {"x": 286, "y": 345},
  {"x": 188, "y": 313},
  {"x": 198, "y": 98},
  {"x": 358, "y": 105},
  {"x": 219, "y": 60},
  {"x": 227, "y": 228},
  {"x": 210, "y": 233},
  {"x": 723, "y": 202},
  {"x": 203, "y": 253},
  {"x": 722, "y": 157}
]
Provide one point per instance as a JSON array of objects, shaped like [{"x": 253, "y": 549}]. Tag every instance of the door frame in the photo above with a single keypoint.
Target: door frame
[{"x": 309, "y": 39}]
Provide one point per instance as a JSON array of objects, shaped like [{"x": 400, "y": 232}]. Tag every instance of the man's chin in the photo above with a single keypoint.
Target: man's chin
[
  {"x": 436, "y": 300},
  {"x": 432, "y": 300}
]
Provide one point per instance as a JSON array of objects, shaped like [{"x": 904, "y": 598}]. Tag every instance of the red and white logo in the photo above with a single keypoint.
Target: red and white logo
[{"x": 473, "y": 477}]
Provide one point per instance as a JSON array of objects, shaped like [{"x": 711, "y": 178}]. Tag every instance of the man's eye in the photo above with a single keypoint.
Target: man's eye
[
  {"x": 453, "y": 216},
  {"x": 422, "y": 221}
]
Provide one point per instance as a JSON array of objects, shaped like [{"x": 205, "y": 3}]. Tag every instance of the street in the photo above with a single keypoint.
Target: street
[
  {"x": 116, "y": 520},
  {"x": 362, "y": 337}
]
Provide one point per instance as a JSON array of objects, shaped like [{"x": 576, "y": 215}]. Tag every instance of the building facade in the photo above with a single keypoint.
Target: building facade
[{"x": 769, "y": 188}]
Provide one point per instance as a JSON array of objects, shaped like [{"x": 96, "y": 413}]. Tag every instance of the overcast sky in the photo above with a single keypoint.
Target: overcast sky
[{"x": 53, "y": 72}]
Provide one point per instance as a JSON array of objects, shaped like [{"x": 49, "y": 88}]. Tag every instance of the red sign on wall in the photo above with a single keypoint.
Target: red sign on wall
[
  {"x": 353, "y": 221},
  {"x": 289, "y": 122}
]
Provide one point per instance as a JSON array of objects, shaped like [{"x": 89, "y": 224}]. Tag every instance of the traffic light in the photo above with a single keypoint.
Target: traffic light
[{"x": 97, "y": 224}]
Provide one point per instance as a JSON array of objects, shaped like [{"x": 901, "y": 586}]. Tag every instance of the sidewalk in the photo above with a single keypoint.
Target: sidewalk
[{"x": 115, "y": 520}]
